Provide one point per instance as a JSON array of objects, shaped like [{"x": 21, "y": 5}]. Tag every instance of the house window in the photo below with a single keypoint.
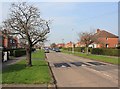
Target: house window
[{"x": 11, "y": 41}]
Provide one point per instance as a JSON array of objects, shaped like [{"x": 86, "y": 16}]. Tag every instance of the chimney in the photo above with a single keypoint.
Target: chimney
[{"x": 98, "y": 30}]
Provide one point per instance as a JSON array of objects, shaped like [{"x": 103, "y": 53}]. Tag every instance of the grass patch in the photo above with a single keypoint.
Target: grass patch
[
  {"x": 39, "y": 54},
  {"x": 20, "y": 74},
  {"x": 95, "y": 57}
]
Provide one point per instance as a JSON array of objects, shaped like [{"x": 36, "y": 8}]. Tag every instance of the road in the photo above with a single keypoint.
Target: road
[{"x": 73, "y": 71}]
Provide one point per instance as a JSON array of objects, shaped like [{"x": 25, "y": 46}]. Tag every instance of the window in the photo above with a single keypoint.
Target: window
[
  {"x": 10, "y": 40},
  {"x": 13, "y": 41}
]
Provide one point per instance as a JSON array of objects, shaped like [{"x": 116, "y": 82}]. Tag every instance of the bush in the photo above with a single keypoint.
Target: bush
[
  {"x": 11, "y": 50},
  {"x": 110, "y": 52},
  {"x": 80, "y": 49},
  {"x": 33, "y": 49},
  {"x": 77, "y": 49},
  {"x": 97, "y": 51},
  {"x": 68, "y": 49},
  {"x": 105, "y": 51},
  {"x": 18, "y": 53}
]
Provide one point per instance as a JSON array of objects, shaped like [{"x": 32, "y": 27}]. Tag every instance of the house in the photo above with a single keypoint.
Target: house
[
  {"x": 79, "y": 44},
  {"x": 69, "y": 44},
  {"x": 8, "y": 42},
  {"x": 60, "y": 45},
  {"x": 104, "y": 39}
]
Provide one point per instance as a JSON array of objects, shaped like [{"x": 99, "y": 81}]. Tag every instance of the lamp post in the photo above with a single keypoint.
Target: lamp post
[
  {"x": 63, "y": 41},
  {"x": 73, "y": 45}
]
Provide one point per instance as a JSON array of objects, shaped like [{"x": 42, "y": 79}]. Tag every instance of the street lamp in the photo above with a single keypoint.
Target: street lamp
[
  {"x": 73, "y": 45},
  {"x": 63, "y": 41}
]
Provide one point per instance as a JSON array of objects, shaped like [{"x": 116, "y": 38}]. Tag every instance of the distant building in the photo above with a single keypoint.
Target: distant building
[
  {"x": 60, "y": 45},
  {"x": 68, "y": 45},
  {"x": 79, "y": 44}
]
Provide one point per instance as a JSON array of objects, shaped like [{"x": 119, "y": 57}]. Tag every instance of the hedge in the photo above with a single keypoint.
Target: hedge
[
  {"x": 106, "y": 51},
  {"x": 77, "y": 49},
  {"x": 11, "y": 50},
  {"x": 98, "y": 51},
  {"x": 18, "y": 53}
]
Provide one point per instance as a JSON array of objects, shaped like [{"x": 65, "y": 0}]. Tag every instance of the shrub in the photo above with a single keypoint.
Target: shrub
[
  {"x": 33, "y": 49},
  {"x": 110, "y": 52},
  {"x": 80, "y": 49},
  {"x": 97, "y": 51},
  {"x": 68, "y": 49},
  {"x": 18, "y": 53},
  {"x": 105, "y": 51}
]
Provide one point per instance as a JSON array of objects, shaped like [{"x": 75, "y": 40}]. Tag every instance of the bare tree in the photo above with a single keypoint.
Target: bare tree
[
  {"x": 53, "y": 45},
  {"x": 25, "y": 20},
  {"x": 87, "y": 38}
]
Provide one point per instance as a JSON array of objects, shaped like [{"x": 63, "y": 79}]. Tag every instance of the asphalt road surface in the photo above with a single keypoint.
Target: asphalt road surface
[{"x": 73, "y": 71}]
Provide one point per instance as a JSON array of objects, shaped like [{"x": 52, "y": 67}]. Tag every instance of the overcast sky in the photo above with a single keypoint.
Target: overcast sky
[{"x": 70, "y": 18}]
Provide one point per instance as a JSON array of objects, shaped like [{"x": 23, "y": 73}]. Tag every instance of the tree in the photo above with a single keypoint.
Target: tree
[
  {"x": 25, "y": 20},
  {"x": 53, "y": 45},
  {"x": 87, "y": 38}
]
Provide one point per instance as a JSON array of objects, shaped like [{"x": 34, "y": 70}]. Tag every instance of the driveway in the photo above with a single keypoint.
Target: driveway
[{"x": 73, "y": 71}]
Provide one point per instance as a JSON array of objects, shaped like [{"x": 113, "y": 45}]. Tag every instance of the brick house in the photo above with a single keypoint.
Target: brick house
[
  {"x": 60, "y": 45},
  {"x": 79, "y": 44},
  {"x": 8, "y": 42},
  {"x": 68, "y": 45},
  {"x": 105, "y": 39}
]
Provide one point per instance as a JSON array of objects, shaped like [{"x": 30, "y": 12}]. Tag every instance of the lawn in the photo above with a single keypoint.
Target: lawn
[
  {"x": 39, "y": 54},
  {"x": 95, "y": 57},
  {"x": 17, "y": 73}
]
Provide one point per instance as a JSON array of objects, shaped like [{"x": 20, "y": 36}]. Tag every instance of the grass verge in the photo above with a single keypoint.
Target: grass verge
[
  {"x": 102, "y": 58},
  {"x": 39, "y": 54},
  {"x": 17, "y": 73}
]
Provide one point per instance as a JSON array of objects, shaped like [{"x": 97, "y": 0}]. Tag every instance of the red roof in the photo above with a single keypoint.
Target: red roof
[{"x": 103, "y": 33}]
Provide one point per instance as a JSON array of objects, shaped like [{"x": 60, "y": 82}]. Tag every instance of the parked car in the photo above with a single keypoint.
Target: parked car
[
  {"x": 57, "y": 50},
  {"x": 46, "y": 50},
  {"x": 54, "y": 49}
]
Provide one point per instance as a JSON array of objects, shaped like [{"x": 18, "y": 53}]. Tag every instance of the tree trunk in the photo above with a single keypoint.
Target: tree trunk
[
  {"x": 87, "y": 50},
  {"x": 28, "y": 56}
]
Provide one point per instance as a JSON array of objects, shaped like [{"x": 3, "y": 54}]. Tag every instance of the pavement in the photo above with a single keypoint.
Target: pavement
[
  {"x": 12, "y": 61},
  {"x": 73, "y": 71}
]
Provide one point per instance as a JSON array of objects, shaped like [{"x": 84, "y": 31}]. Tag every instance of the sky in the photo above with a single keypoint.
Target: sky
[{"x": 70, "y": 18}]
